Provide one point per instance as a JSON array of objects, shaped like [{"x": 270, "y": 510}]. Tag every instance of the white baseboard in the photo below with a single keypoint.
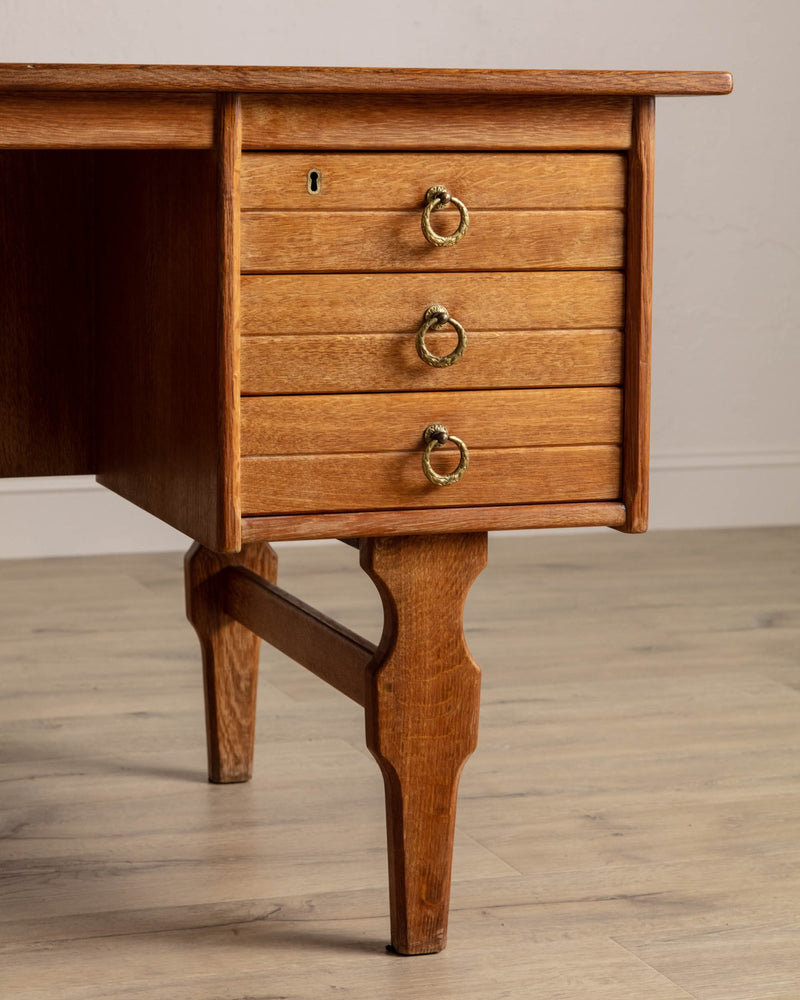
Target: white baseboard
[
  {"x": 72, "y": 515},
  {"x": 725, "y": 490}
]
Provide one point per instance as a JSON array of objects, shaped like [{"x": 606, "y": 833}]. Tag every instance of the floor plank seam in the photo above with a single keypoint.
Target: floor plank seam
[{"x": 653, "y": 968}]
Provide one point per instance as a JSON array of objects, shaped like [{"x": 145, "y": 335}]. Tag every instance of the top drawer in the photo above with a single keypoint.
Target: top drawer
[{"x": 340, "y": 212}]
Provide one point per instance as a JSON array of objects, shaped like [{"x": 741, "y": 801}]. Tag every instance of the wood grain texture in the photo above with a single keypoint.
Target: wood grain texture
[
  {"x": 394, "y": 480},
  {"x": 279, "y": 181},
  {"x": 332, "y": 652},
  {"x": 446, "y": 521},
  {"x": 423, "y": 697},
  {"x": 229, "y": 154},
  {"x": 378, "y": 422},
  {"x": 169, "y": 434},
  {"x": 106, "y": 121},
  {"x": 46, "y": 313},
  {"x": 638, "y": 322},
  {"x": 299, "y": 79},
  {"x": 230, "y": 657},
  {"x": 389, "y": 362},
  {"x": 393, "y": 241},
  {"x": 392, "y": 121},
  {"x": 396, "y": 303},
  {"x": 159, "y": 353}
]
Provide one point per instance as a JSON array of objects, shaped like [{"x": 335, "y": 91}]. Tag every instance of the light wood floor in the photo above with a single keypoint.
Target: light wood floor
[{"x": 629, "y": 827}]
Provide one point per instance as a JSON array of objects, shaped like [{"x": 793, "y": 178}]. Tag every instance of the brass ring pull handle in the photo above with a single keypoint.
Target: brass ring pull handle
[
  {"x": 436, "y": 318},
  {"x": 436, "y": 436},
  {"x": 436, "y": 199}
]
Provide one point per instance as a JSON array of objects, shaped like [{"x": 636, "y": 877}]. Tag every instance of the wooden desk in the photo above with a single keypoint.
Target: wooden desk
[{"x": 399, "y": 307}]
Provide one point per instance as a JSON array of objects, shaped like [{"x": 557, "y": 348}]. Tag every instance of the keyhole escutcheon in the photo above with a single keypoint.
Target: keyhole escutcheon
[{"x": 314, "y": 181}]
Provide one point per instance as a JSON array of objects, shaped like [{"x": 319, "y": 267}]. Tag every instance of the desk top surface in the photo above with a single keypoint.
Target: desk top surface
[{"x": 298, "y": 79}]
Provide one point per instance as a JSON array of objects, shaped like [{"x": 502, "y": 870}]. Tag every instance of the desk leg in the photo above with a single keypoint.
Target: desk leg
[
  {"x": 422, "y": 701},
  {"x": 230, "y": 657}
]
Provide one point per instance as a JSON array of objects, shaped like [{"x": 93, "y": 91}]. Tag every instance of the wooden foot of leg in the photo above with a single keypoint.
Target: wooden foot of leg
[
  {"x": 230, "y": 658},
  {"x": 422, "y": 701}
]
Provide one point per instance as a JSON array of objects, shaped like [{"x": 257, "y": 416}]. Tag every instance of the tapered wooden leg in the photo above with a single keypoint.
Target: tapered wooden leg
[
  {"x": 230, "y": 658},
  {"x": 422, "y": 701}
]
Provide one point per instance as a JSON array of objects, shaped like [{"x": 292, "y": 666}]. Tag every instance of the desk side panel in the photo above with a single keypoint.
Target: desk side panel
[
  {"x": 45, "y": 313},
  {"x": 638, "y": 323},
  {"x": 163, "y": 385}
]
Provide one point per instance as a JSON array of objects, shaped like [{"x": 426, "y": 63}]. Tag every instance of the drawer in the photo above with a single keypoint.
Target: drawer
[
  {"x": 370, "y": 220},
  {"x": 357, "y": 332},
  {"x": 364, "y": 452}
]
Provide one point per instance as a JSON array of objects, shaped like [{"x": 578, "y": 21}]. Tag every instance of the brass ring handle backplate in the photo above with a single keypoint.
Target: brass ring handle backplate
[
  {"x": 436, "y": 199},
  {"x": 436, "y": 436},
  {"x": 435, "y": 318}
]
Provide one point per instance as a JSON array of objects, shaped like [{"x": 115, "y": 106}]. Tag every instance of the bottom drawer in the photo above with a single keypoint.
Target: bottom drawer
[{"x": 364, "y": 452}]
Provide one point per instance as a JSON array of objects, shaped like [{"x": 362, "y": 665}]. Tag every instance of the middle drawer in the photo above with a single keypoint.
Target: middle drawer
[{"x": 357, "y": 332}]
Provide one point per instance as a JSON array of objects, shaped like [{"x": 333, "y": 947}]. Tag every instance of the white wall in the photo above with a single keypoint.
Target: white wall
[{"x": 726, "y": 417}]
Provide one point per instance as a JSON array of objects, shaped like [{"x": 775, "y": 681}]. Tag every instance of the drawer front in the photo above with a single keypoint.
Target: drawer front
[
  {"x": 357, "y": 332},
  {"x": 364, "y": 452},
  {"x": 556, "y": 212}
]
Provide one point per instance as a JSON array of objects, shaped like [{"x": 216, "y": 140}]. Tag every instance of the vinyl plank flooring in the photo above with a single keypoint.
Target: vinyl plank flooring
[
  {"x": 269, "y": 958},
  {"x": 629, "y": 826},
  {"x": 754, "y": 963}
]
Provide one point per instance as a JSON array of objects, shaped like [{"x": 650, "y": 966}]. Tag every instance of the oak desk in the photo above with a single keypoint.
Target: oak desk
[{"x": 398, "y": 307}]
